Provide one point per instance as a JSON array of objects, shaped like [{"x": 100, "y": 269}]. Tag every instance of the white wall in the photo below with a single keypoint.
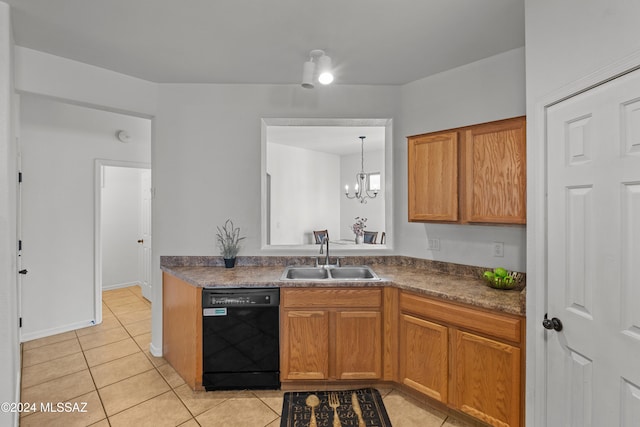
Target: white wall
[
  {"x": 569, "y": 39},
  {"x": 60, "y": 143},
  {"x": 566, "y": 41},
  {"x": 486, "y": 90},
  {"x": 304, "y": 194},
  {"x": 120, "y": 223},
  {"x": 374, "y": 209},
  {"x": 60, "y": 78},
  {"x": 10, "y": 349},
  {"x": 207, "y": 148}
]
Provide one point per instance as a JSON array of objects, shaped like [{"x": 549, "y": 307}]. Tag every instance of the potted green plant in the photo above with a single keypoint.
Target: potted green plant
[{"x": 228, "y": 238}]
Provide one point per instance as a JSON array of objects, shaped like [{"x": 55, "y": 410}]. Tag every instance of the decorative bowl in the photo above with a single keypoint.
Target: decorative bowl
[{"x": 510, "y": 281}]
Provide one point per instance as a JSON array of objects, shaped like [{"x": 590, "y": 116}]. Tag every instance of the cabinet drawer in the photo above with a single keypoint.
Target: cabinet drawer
[
  {"x": 495, "y": 325},
  {"x": 331, "y": 297}
]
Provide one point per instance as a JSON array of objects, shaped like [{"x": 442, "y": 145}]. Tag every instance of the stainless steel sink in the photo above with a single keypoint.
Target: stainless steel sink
[
  {"x": 305, "y": 273},
  {"x": 331, "y": 273},
  {"x": 352, "y": 273}
]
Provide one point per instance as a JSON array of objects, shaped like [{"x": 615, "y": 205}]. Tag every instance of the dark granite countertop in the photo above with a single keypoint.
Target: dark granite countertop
[{"x": 450, "y": 282}]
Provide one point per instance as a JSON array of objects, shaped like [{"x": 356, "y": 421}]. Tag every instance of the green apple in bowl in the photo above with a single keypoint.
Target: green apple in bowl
[
  {"x": 489, "y": 275},
  {"x": 500, "y": 278},
  {"x": 500, "y": 272}
]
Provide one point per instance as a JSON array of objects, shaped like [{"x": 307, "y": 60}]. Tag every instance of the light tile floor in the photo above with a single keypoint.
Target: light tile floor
[{"x": 109, "y": 367}]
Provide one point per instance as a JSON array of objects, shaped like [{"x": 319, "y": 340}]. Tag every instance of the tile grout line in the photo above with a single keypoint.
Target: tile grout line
[
  {"x": 89, "y": 368},
  {"x": 95, "y": 386},
  {"x": 171, "y": 389},
  {"x": 265, "y": 404},
  {"x": 22, "y": 351}
]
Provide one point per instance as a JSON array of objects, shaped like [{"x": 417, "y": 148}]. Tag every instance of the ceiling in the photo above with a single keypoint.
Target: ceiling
[{"x": 378, "y": 42}]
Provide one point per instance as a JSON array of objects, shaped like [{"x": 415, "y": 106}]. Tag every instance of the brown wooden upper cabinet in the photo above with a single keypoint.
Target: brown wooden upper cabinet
[
  {"x": 433, "y": 177},
  {"x": 474, "y": 174}
]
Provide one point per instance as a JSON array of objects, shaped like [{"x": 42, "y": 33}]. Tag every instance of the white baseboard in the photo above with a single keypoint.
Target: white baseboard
[
  {"x": 53, "y": 331},
  {"x": 155, "y": 351},
  {"x": 119, "y": 285}
]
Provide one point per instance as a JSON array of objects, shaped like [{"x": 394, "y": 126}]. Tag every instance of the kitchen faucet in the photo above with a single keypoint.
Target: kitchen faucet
[{"x": 325, "y": 239}]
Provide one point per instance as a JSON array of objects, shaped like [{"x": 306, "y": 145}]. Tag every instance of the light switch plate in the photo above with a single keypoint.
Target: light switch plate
[
  {"x": 498, "y": 249},
  {"x": 433, "y": 244}
]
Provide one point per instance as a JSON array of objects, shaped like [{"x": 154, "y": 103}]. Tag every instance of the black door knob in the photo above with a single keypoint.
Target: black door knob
[
  {"x": 23, "y": 271},
  {"x": 553, "y": 323}
]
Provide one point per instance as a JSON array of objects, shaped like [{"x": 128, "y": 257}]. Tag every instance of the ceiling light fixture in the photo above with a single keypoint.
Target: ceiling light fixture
[
  {"x": 362, "y": 189},
  {"x": 325, "y": 72}
]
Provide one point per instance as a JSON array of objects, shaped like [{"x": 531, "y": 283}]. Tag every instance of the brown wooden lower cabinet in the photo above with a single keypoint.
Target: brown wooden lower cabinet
[
  {"x": 467, "y": 358},
  {"x": 331, "y": 333},
  {"x": 304, "y": 344},
  {"x": 358, "y": 345},
  {"x": 486, "y": 379},
  {"x": 424, "y": 356}
]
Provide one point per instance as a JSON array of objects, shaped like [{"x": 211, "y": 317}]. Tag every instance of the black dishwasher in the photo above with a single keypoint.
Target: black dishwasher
[{"x": 240, "y": 338}]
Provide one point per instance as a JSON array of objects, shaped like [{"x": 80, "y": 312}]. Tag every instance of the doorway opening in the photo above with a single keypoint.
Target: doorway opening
[{"x": 122, "y": 228}]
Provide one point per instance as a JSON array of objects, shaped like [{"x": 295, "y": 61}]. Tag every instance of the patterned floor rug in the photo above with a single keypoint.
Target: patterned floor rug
[{"x": 352, "y": 408}]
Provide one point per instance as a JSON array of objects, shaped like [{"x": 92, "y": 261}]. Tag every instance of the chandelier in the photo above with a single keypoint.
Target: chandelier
[{"x": 362, "y": 190}]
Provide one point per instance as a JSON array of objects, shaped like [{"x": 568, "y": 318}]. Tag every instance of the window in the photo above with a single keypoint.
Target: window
[{"x": 373, "y": 180}]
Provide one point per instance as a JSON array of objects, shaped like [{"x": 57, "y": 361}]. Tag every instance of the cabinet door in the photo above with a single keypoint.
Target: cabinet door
[
  {"x": 305, "y": 345},
  {"x": 424, "y": 356},
  {"x": 494, "y": 172},
  {"x": 433, "y": 177},
  {"x": 358, "y": 345},
  {"x": 486, "y": 379}
]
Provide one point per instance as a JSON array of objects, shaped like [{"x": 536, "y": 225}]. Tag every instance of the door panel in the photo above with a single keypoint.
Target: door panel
[
  {"x": 630, "y": 257},
  {"x": 580, "y": 373},
  {"x": 359, "y": 344},
  {"x": 593, "y": 183},
  {"x": 495, "y": 173},
  {"x": 486, "y": 379},
  {"x": 630, "y": 404},
  {"x": 433, "y": 177},
  {"x": 305, "y": 345},
  {"x": 579, "y": 251},
  {"x": 424, "y": 356}
]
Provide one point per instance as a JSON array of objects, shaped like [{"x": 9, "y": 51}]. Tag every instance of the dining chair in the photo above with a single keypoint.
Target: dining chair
[
  {"x": 320, "y": 235},
  {"x": 370, "y": 237}
]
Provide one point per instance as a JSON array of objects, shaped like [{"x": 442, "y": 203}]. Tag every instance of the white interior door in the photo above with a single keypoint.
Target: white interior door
[
  {"x": 593, "y": 284},
  {"x": 145, "y": 234}
]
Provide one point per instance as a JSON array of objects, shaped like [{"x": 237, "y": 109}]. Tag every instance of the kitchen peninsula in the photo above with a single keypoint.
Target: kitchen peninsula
[{"x": 432, "y": 327}]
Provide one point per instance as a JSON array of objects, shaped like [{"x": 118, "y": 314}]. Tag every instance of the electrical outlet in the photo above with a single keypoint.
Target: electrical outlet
[
  {"x": 433, "y": 244},
  {"x": 498, "y": 249}
]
